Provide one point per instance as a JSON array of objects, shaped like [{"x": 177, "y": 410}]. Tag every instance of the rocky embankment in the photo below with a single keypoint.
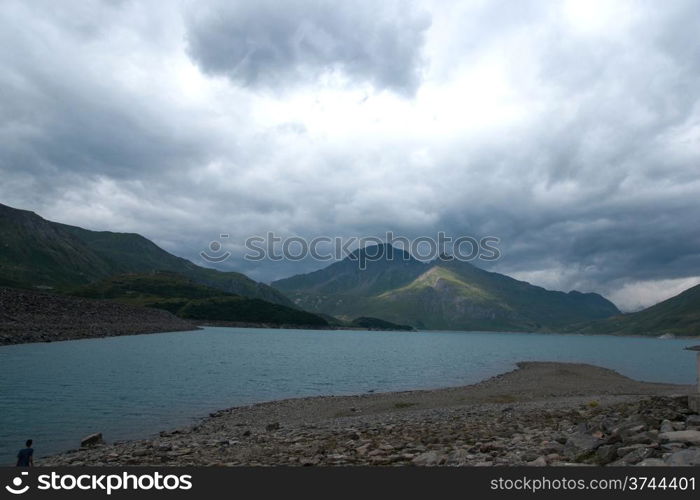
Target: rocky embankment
[
  {"x": 541, "y": 414},
  {"x": 28, "y": 316}
]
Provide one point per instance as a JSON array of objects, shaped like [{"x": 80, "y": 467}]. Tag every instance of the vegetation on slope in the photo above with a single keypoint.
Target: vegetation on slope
[
  {"x": 679, "y": 315},
  {"x": 187, "y": 299},
  {"x": 36, "y": 253}
]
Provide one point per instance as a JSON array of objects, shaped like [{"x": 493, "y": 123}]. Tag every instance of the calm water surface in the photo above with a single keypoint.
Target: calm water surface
[{"x": 133, "y": 386}]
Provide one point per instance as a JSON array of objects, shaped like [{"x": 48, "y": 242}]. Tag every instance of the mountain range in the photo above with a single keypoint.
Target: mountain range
[
  {"x": 382, "y": 287},
  {"x": 388, "y": 283}
]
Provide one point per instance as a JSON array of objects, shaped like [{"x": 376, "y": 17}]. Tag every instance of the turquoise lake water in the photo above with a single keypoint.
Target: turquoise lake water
[{"x": 133, "y": 386}]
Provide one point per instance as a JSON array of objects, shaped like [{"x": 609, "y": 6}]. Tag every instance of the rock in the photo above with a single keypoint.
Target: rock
[
  {"x": 688, "y": 437},
  {"x": 636, "y": 456},
  {"x": 694, "y": 402},
  {"x": 666, "y": 426},
  {"x": 272, "y": 427},
  {"x": 606, "y": 454},
  {"x": 428, "y": 458},
  {"x": 538, "y": 462},
  {"x": 580, "y": 446},
  {"x": 91, "y": 440},
  {"x": 549, "y": 447},
  {"x": 362, "y": 450},
  {"x": 690, "y": 456},
  {"x": 624, "y": 450},
  {"x": 651, "y": 462},
  {"x": 692, "y": 421},
  {"x": 641, "y": 438},
  {"x": 308, "y": 461},
  {"x": 626, "y": 432}
]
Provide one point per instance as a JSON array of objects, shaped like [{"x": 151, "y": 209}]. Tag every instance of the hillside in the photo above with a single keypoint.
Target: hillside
[
  {"x": 443, "y": 294},
  {"x": 28, "y": 316},
  {"x": 189, "y": 300},
  {"x": 679, "y": 315},
  {"x": 38, "y": 253}
]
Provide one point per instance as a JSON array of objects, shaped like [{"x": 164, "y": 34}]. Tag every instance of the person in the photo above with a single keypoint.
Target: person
[{"x": 25, "y": 457}]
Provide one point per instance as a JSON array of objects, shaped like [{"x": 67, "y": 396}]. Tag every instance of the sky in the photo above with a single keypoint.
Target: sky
[{"x": 570, "y": 130}]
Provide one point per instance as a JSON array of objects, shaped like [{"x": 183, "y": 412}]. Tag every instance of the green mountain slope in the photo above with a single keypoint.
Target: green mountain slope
[
  {"x": 679, "y": 315},
  {"x": 185, "y": 298},
  {"x": 35, "y": 252},
  {"x": 443, "y": 294}
]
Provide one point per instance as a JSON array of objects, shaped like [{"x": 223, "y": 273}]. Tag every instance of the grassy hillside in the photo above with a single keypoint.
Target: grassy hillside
[
  {"x": 679, "y": 315},
  {"x": 443, "y": 294},
  {"x": 38, "y": 253},
  {"x": 187, "y": 299}
]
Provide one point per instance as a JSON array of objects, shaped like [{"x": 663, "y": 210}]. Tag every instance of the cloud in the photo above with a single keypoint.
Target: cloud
[
  {"x": 571, "y": 131},
  {"x": 269, "y": 44}
]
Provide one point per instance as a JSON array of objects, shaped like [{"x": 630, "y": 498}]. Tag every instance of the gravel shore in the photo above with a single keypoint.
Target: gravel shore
[
  {"x": 539, "y": 414},
  {"x": 28, "y": 316}
]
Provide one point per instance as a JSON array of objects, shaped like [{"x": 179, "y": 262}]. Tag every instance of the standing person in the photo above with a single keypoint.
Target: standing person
[{"x": 25, "y": 457}]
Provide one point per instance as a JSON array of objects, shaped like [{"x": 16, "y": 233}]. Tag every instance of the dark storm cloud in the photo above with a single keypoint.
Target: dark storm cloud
[
  {"x": 277, "y": 44},
  {"x": 571, "y": 130}
]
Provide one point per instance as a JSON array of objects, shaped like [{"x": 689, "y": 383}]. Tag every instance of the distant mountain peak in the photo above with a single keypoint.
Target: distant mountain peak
[{"x": 380, "y": 251}]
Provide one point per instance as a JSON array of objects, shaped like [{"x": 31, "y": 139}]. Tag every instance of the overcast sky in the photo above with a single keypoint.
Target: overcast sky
[{"x": 570, "y": 130}]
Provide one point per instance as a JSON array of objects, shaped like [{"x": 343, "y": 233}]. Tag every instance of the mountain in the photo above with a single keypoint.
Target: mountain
[
  {"x": 189, "y": 300},
  {"x": 35, "y": 253},
  {"x": 442, "y": 294},
  {"x": 679, "y": 315}
]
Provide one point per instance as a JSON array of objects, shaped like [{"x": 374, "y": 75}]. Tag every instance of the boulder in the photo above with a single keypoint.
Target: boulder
[
  {"x": 538, "y": 462},
  {"x": 428, "y": 458},
  {"x": 581, "y": 446},
  {"x": 690, "y": 456},
  {"x": 92, "y": 440},
  {"x": 667, "y": 426},
  {"x": 637, "y": 455},
  {"x": 651, "y": 462},
  {"x": 606, "y": 454},
  {"x": 692, "y": 421},
  {"x": 689, "y": 437}
]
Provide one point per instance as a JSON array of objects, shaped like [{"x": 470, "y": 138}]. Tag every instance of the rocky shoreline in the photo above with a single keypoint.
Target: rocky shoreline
[
  {"x": 540, "y": 414},
  {"x": 27, "y": 316}
]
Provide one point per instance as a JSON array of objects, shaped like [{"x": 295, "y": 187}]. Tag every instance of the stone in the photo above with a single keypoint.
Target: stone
[
  {"x": 690, "y": 456},
  {"x": 538, "y": 462},
  {"x": 694, "y": 402},
  {"x": 636, "y": 456},
  {"x": 688, "y": 437},
  {"x": 641, "y": 438},
  {"x": 651, "y": 462},
  {"x": 606, "y": 454},
  {"x": 272, "y": 427},
  {"x": 549, "y": 447},
  {"x": 92, "y": 440},
  {"x": 666, "y": 426},
  {"x": 428, "y": 458},
  {"x": 580, "y": 446},
  {"x": 693, "y": 421},
  {"x": 624, "y": 450}
]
